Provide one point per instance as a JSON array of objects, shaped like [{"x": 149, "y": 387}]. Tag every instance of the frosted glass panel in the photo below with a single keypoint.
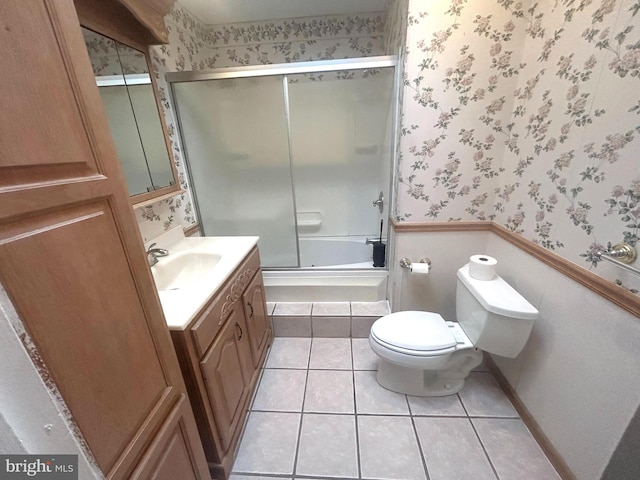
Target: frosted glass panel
[
  {"x": 235, "y": 136},
  {"x": 340, "y": 136}
]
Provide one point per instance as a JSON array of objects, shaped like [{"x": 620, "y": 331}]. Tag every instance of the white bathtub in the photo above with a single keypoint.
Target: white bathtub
[
  {"x": 324, "y": 285},
  {"x": 335, "y": 252},
  {"x": 334, "y": 269}
]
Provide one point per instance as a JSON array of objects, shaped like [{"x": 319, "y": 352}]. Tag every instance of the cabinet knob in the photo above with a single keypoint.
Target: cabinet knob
[
  {"x": 251, "y": 307},
  {"x": 239, "y": 329}
]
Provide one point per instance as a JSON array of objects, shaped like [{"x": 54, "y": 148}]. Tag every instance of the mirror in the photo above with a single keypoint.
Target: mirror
[{"x": 122, "y": 76}]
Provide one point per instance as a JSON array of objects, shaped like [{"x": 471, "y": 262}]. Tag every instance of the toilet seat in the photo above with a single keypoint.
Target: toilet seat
[{"x": 414, "y": 333}]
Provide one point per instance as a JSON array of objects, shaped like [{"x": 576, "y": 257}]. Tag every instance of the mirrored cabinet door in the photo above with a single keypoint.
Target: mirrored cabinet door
[
  {"x": 145, "y": 109},
  {"x": 151, "y": 138},
  {"x": 122, "y": 76}
]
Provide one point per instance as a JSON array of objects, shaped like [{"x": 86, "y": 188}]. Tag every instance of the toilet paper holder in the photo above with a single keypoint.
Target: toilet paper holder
[{"x": 406, "y": 263}]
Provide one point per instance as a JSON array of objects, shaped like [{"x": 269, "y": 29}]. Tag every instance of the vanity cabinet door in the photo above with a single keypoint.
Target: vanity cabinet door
[
  {"x": 168, "y": 458},
  {"x": 255, "y": 311},
  {"x": 226, "y": 369}
]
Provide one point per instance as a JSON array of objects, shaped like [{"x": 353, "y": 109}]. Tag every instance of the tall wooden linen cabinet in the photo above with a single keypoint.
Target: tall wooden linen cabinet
[{"x": 72, "y": 261}]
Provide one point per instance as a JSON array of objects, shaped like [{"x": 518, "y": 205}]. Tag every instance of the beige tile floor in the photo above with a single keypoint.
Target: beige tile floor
[
  {"x": 325, "y": 319},
  {"x": 319, "y": 413}
]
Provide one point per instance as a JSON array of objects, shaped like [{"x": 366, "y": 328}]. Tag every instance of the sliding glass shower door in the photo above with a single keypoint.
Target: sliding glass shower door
[
  {"x": 235, "y": 134},
  {"x": 340, "y": 124},
  {"x": 296, "y": 154}
]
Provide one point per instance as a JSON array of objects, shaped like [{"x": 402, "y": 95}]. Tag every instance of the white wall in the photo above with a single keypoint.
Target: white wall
[
  {"x": 448, "y": 251},
  {"x": 32, "y": 420},
  {"x": 577, "y": 374}
]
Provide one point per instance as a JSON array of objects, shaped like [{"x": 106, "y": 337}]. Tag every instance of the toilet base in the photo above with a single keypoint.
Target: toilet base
[{"x": 429, "y": 383}]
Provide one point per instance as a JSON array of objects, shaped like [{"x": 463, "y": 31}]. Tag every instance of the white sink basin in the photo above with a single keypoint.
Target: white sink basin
[
  {"x": 184, "y": 269},
  {"x": 193, "y": 271}
]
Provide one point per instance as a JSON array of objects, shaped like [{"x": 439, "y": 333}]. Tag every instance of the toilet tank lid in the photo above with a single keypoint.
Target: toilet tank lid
[{"x": 497, "y": 296}]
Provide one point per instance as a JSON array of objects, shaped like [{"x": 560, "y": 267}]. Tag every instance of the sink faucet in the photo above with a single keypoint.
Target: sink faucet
[{"x": 154, "y": 253}]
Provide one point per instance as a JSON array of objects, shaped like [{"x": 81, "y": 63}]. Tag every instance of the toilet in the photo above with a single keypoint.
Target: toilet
[{"x": 421, "y": 354}]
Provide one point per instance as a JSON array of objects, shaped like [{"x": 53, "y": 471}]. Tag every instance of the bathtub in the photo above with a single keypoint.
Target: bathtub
[
  {"x": 333, "y": 269},
  {"x": 335, "y": 252}
]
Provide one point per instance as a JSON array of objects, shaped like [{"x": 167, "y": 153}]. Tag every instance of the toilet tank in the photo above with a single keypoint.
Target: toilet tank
[{"x": 495, "y": 317}]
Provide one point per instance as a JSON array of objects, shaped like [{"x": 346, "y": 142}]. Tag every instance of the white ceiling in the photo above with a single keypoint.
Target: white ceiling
[{"x": 214, "y": 12}]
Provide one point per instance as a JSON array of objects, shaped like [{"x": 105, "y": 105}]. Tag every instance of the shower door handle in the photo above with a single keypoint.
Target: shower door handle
[{"x": 379, "y": 202}]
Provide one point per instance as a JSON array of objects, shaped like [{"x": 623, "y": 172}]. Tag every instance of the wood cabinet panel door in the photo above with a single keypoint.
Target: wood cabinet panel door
[
  {"x": 71, "y": 256},
  {"x": 253, "y": 300},
  {"x": 168, "y": 457},
  {"x": 226, "y": 377}
]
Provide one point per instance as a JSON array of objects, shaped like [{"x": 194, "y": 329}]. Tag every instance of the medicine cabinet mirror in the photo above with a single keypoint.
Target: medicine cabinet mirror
[{"x": 135, "y": 121}]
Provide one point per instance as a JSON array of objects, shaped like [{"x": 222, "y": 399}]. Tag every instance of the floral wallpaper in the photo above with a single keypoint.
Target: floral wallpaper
[
  {"x": 395, "y": 27},
  {"x": 458, "y": 89},
  {"x": 522, "y": 112},
  {"x": 195, "y": 46},
  {"x": 526, "y": 113},
  {"x": 109, "y": 57},
  {"x": 281, "y": 41}
]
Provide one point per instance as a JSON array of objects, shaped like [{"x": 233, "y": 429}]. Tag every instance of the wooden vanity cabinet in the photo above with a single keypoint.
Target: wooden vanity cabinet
[
  {"x": 258, "y": 324},
  {"x": 227, "y": 370},
  {"x": 220, "y": 353}
]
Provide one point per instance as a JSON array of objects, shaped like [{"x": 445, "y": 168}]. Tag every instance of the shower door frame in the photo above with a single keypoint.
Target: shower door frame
[{"x": 284, "y": 69}]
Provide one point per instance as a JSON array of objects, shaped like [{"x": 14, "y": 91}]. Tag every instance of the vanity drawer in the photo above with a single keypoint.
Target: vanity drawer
[{"x": 228, "y": 299}]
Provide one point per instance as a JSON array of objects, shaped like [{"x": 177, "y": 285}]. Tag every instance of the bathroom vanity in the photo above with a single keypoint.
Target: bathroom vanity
[{"x": 220, "y": 329}]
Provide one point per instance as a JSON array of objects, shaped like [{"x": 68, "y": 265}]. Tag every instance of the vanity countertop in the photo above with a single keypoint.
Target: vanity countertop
[{"x": 196, "y": 286}]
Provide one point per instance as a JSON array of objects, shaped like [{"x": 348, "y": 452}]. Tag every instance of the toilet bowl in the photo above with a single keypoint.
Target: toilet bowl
[{"x": 422, "y": 354}]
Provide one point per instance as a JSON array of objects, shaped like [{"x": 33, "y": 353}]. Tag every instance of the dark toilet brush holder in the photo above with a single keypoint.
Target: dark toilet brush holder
[{"x": 379, "y": 253}]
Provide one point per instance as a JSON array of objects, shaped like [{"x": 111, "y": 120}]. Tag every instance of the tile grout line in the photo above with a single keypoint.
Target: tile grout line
[
  {"x": 417, "y": 437},
  {"x": 309, "y": 356},
  {"x": 304, "y": 396},
  {"x": 464, "y": 407},
  {"x": 486, "y": 454},
  {"x": 394, "y": 415},
  {"x": 422, "y": 457},
  {"x": 255, "y": 392},
  {"x": 327, "y": 370},
  {"x": 322, "y": 477},
  {"x": 355, "y": 408},
  {"x": 499, "y": 417},
  {"x": 258, "y": 476},
  {"x": 493, "y": 468},
  {"x": 311, "y": 322}
]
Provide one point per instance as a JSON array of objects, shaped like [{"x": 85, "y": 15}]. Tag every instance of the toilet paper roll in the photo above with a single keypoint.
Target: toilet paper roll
[
  {"x": 482, "y": 267},
  {"x": 420, "y": 268}
]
